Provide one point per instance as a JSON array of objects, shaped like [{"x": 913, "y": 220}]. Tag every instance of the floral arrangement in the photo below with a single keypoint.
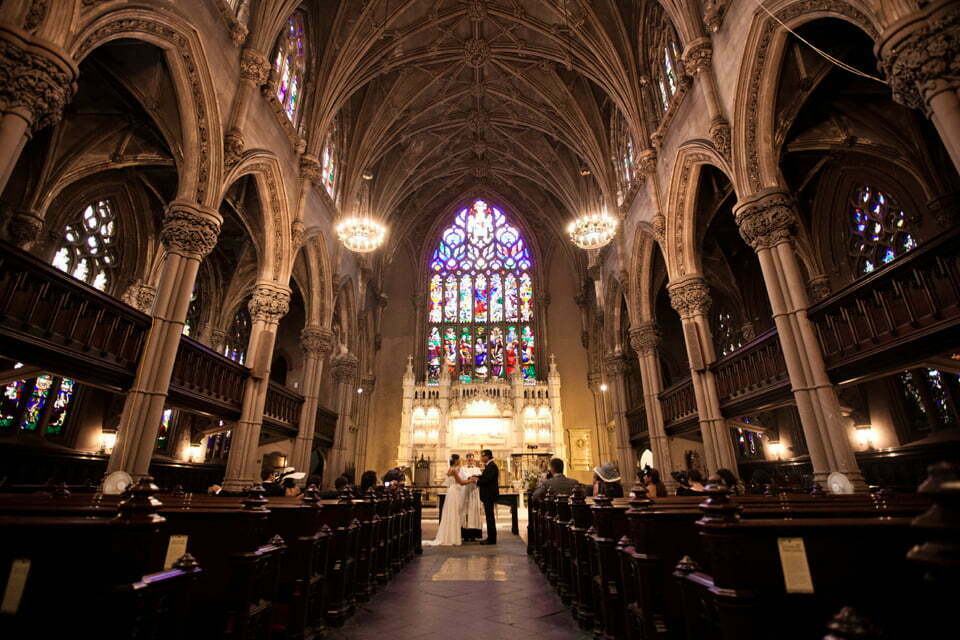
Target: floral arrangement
[{"x": 531, "y": 479}]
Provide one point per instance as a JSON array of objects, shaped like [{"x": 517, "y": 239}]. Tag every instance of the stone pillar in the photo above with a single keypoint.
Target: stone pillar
[
  {"x": 602, "y": 440},
  {"x": 645, "y": 340},
  {"x": 269, "y": 303},
  {"x": 405, "y": 453},
  {"x": 691, "y": 298},
  {"x": 37, "y": 80},
  {"x": 344, "y": 368},
  {"x": 362, "y": 425},
  {"x": 919, "y": 55},
  {"x": 556, "y": 412},
  {"x": 254, "y": 70},
  {"x": 189, "y": 233},
  {"x": 615, "y": 367},
  {"x": 698, "y": 62},
  {"x": 316, "y": 343},
  {"x": 766, "y": 220}
]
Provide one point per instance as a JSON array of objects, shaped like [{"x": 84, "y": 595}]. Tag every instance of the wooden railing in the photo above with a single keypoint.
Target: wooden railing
[
  {"x": 752, "y": 375},
  {"x": 679, "y": 404},
  {"x": 325, "y": 426},
  {"x": 49, "y": 319},
  {"x": 637, "y": 421},
  {"x": 207, "y": 381},
  {"x": 281, "y": 411},
  {"x": 902, "y": 312}
]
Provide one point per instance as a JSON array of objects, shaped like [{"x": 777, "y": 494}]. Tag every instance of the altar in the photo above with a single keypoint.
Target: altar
[{"x": 510, "y": 416}]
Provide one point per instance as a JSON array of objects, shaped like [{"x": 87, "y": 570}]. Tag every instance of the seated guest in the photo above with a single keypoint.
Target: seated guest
[
  {"x": 290, "y": 488},
  {"x": 557, "y": 481},
  {"x": 332, "y": 494},
  {"x": 694, "y": 484},
  {"x": 729, "y": 481},
  {"x": 606, "y": 481},
  {"x": 392, "y": 476},
  {"x": 315, "y": 481},
  {"x": 271, "y": 488},
  {"x": 651, "y": 480},
  {"x": 368, "y": 481}
]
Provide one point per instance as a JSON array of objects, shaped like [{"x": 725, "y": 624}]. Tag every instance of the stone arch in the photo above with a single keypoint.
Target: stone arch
[
  {"x": 277, "y": 251},
  {"x": 199, "y": 173},
  {"x": 640, "y": 295},
  {"x": 756, "y": 163},
  {"x": 679, "y": 244},
  {"x": 313, "y": 270}
]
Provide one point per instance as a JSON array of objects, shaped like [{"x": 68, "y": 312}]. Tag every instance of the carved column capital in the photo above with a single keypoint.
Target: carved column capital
[
  {"x": 233, "y": 145},
  {"x": 24, "y": 227},
  {"x": 190, "y": 229},
  {"x": 217, "y": 338},
  {"x": 310, "y": 168},
  {"x": 647, "y": 161},
  {"x": 713, "y": 14},
  {"x": 269, "y": 303},
  {"x": 819, "y": 288},
  {"x": 645, "y": 339},
  {"x": 140, "y": 295},
  {"x": 698, "y": 56},
  {"x": 690, "y": 297},
  {"x": 344, "y": 367},
  {"x": 920, "y": 56},
  {"x": 296, "y": 235},
  {"x": 35, "y": 81},
  {"x": 659, "y": 227},
  {"x": 254, "y": 66},
  {"x": 316, "y": 341},
  {"x": 766, "y": 218},
  {"x": 721, "y": 136},
  {"x": 615, "y": 365}
]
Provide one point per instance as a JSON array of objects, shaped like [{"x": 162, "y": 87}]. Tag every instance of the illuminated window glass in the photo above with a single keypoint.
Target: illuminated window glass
[
  {"x": 289, "y": 67},
  {"x": 879, "y": 230},
  {"x": 87, "y": 247}
]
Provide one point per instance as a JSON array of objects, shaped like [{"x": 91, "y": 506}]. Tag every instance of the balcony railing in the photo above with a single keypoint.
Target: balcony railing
[
  {"x": 207, "y": 381},
  {"x": 752, "y": 375},
  {"x": 901, "y": 313},
  {"x": 281, "y": 411},
  {"x": 679, "y": 404},
  {"x": 49, "y": 319},
  {"x": 637, "y": 421},
  {"x": 325, "y": 426}
]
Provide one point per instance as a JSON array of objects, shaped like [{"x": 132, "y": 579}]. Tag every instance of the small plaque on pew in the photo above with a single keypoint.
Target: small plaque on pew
[
  {"x": 16, "y": 581},
  {"x": 175, "y": 548},
  {"x": 793, "y": 561}
]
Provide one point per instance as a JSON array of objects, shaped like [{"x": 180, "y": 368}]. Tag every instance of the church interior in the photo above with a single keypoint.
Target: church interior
[{"x": 267, "y": 267}]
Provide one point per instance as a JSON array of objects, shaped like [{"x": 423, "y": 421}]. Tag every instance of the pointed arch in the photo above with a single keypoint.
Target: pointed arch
[{"x": 200, "y": 173}]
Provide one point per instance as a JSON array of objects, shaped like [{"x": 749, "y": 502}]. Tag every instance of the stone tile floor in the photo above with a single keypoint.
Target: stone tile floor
[{"x": 471, "y": 592}]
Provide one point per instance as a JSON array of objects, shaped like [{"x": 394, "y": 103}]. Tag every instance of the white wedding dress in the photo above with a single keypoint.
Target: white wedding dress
[{"x": 449, "y": 532}]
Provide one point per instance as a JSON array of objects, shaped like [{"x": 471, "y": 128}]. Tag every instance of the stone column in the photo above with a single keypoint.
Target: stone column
[
  {"x": 602, "y": 441},
  {"x": 269, "y": 303},
  {"x": 698, "y": 62},
  {"x": 645, "y": 340},
  {"x": 189, "y": 233},
  {"x": 37, "y": 80},
  {"x": 405, "y": 453},
  {"x": 254, "y": 70},
  {"x": 767, "y": 220},
  {"x": 316, "y": 343},
  {"x": 691, "y": 298},
  {"x": 344, "y": 367},
  {"x": 919, "y": 55},
  {"x": 362, "y": 425},
  {"x": 556, "y": 411},
  {"x": 615, "y": 367}
]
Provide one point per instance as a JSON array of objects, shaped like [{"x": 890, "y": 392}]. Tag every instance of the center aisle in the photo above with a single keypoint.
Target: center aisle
[{"x": 468, "y": 592}]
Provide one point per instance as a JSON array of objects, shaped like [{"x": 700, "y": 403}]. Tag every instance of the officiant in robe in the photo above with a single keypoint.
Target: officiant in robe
[{"x": 471, "y": 529}]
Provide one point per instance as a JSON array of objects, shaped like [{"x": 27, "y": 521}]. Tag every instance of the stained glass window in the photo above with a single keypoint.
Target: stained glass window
[
  {"x": 481, "y": 279},
  {"x": 238, "y": 336},
  {"x": 87, "y": 247},
  {"x": 163, "y": 434},
  {"x": 37, "y": 405},
  {"x": 289, "y": 67},
  {"x": 749, "y": 443},
  {"x": 879, "y": 230},
  {"x": 328, "y": 161},
  {"x": 193, "y": 313},
  {"x": 726, "y": 337}
]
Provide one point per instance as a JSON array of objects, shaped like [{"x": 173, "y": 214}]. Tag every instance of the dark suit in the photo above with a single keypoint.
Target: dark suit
[{"x": 489, "y": 485}]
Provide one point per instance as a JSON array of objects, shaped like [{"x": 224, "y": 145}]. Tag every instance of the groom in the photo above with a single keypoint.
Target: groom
[{"x": 489, "y": 484}]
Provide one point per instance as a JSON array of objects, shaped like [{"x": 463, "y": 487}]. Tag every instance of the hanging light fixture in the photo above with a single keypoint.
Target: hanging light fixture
[
  {"x": 360, "y": 233},
  {"x": 593, "y": 230}
]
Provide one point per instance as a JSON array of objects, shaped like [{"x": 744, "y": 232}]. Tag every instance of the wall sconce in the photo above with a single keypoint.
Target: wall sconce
[
  {"x": 775, "y": 448},
  {"x": 282, "y": 461},
  {"x": 195, "y": 453},
  {"x": 865, "y": 436},
  {"x": 108, "y": 439},
  {"x": 359, "y": 389},
  {"x": 603, "y": 386}
]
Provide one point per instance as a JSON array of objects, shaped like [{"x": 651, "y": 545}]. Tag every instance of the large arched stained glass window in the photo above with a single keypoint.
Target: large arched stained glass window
[
  {"x": 879, "y": 229},
  {"x": 87, "y": 247},
  {"x": 481, "y": 310},
  {"x": 289, "y": 67}
]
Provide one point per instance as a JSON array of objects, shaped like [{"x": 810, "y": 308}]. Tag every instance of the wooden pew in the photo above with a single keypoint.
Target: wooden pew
[{"x": 93, "y": 576}]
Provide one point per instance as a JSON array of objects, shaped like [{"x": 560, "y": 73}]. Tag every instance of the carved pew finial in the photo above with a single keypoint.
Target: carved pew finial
[
  {"x": 940, "y": 551},
  {"x": 848, "y": 624},
  {"x": 255, "y": 498},
  {"x": 138, "y": 505},
  {"x": 718, "y": 507}
]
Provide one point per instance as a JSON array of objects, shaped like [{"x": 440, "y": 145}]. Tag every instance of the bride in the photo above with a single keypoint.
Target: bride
[{"x": 451, "y": 521}]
